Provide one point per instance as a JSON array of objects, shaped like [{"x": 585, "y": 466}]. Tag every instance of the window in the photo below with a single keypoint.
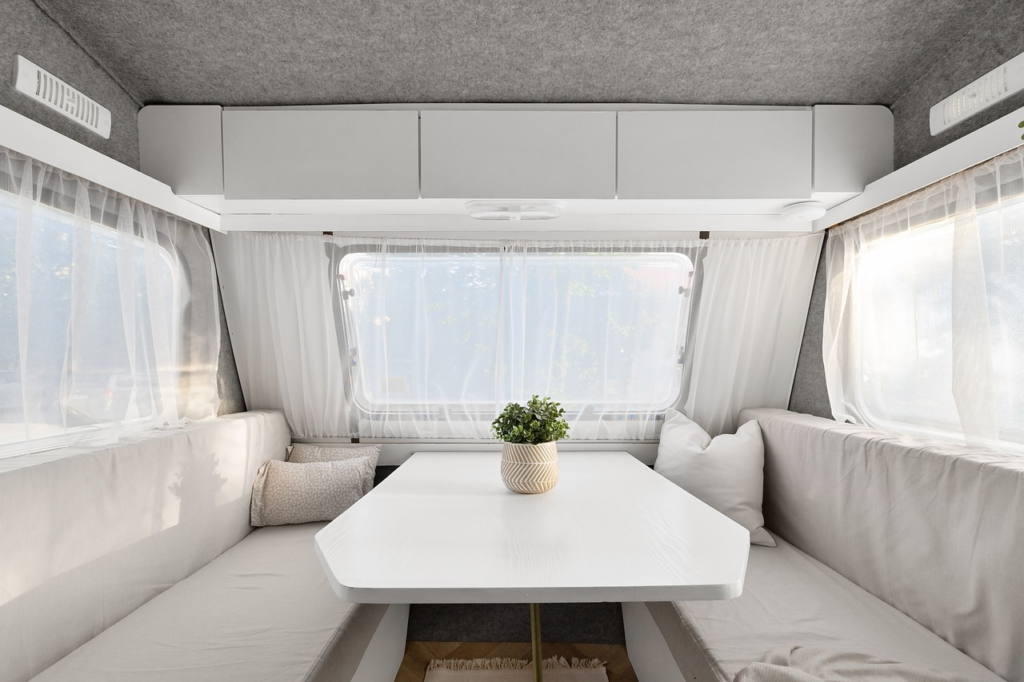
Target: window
[
  {"x": 78, "y": 371},
  {"x": 905, "y": 330},
  {"x": 932, "y": 331},
  {"x": 466, "y": 331},
  {"x": 102, "y": 329}
]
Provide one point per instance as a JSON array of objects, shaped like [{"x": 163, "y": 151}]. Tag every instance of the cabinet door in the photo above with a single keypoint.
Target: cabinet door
[
  {"x": 518, "y": 154},
  {"x": 715, "y": 154},
  {"x": 320, "y": 154}
]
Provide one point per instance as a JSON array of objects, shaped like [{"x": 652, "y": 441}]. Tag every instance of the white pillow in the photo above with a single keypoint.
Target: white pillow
[
  {"x": 726, "y": 472},
  {"x": 303, "y": 453},
  {"x": 285, "y": 493}
]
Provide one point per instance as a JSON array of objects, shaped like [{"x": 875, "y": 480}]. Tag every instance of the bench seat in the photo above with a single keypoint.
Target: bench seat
[
  {"x": 262, "y": 610},
  {"x": 790, "y": 599}
]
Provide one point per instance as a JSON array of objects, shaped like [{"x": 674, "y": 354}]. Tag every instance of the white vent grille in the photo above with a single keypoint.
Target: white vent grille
[
  {"x": 994, "y": 86},
  {"x": 44, "y": 87}
]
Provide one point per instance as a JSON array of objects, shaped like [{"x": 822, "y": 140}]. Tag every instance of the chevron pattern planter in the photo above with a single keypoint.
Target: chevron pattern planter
[{"x": 528, "y": 468}]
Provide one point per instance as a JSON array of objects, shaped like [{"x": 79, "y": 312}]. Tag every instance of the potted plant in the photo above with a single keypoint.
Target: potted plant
[{"x": 529, "y": 457}]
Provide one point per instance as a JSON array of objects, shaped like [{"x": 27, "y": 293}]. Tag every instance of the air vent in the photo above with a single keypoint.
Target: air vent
[
  {"x": 44, "y": 87},
  {"x": 993, "y": 87}
]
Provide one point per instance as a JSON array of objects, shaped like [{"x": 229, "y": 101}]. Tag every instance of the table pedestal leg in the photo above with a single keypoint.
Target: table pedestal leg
[{"x": 535, "y": 639}]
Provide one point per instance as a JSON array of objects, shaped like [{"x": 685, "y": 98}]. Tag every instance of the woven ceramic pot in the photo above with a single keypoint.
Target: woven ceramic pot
[{"x": 529, "y": 468}]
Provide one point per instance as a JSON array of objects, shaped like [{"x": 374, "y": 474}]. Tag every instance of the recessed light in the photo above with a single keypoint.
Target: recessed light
[{"x": 505, "y": 210}]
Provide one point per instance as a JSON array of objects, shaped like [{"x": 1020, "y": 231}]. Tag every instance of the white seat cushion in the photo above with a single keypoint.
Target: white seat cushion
[
  {"x": 790, "y": 598},
  {"x": 92, "y": 532},
  {"x": 931, "y": 527},
  {"x": 263, "y": 610}
]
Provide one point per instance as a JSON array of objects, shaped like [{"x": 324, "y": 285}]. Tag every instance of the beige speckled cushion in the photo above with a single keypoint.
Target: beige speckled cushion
[
  {"x": 286, "y": 492},
  {"x": 302, "y": 453}
]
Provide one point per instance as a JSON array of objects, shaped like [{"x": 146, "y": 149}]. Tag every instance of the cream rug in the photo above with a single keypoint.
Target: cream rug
[{"x": 556, "y": 669}]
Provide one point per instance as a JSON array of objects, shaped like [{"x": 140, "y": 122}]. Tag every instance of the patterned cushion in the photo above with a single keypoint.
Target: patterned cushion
[
  {"x": 285, "y": 492},
  {"x": 301, "y": 453}
]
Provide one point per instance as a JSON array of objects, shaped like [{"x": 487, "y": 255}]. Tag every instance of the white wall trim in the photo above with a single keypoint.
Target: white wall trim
[
  {"x": 992, "y": 140},
  {"x": 371, "y": 224},
  {"x": 524, "y": 106},
  {"x": 395, "y": 451},
  {"x": 25, "y": 136}
]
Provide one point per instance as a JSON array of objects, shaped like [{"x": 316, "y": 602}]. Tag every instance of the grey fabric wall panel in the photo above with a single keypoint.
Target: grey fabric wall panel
[
  {"x": 268, "y": 52},
  {"x": 810, "y": 395},
  {"x": 26, "y": 30},
  {"x": 992, "y": 38},
  {"x": 228, "y": 384},
  {"x": 573, "y": 623}
]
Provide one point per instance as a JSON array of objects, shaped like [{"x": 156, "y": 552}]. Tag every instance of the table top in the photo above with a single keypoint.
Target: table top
[{"x": 444, "y": 529}]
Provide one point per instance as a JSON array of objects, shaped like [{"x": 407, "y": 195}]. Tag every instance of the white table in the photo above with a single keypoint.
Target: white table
[{"x": 444, "y": 529}]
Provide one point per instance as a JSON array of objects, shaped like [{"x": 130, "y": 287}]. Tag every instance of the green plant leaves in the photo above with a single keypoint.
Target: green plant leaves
[{"x": 540, "y": 421}]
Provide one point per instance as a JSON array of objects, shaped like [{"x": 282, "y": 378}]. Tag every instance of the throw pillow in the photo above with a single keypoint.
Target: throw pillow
[
  {"x": 285, "y": 493},
  {"x": 301, "y": 453},
  {"x": 725, "y": 472}
]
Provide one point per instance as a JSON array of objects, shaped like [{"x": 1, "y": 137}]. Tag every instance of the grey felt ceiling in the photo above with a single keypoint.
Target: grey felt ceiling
[{"x": 266, "y": 52}]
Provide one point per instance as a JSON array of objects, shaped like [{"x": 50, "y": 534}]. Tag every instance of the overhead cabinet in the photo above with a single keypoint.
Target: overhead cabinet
[
  {"x": 320, "y": 154},
  {"x": 715, "y": 154},
  {"x": 703, "y": 161},
  {"x": 518, "y": 154}
]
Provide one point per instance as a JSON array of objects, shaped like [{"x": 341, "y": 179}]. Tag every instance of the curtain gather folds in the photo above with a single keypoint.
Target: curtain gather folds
[
  {"x": 428, "y": 338},
  {"x": 109, "y": 316},
  {"x": 925, "y": 309}
]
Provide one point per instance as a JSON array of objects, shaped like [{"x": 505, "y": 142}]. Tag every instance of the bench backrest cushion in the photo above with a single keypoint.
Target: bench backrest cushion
[
  {"x": 89, "y": 535},
  {"x": 931, "y": 527}
]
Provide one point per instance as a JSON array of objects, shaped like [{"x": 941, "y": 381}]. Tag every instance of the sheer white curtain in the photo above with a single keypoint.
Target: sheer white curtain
[
  {"x": 750, "y": 326},
  {"x": 278, "y": 300},
  {"x": 925, "y": 309},
  {"x": 108, "y": 312},
  {"x": 429, "y": 338}
]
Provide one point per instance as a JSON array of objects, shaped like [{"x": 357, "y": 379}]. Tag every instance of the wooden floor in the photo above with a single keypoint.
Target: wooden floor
[{"x": 419, "y": 654}]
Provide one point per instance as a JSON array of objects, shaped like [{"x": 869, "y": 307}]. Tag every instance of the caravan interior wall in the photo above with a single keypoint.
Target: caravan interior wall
[{"x": 434, "y": 342}]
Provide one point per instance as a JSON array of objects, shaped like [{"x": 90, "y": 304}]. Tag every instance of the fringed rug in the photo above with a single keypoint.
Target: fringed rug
[{"x": 556, "y": 669}]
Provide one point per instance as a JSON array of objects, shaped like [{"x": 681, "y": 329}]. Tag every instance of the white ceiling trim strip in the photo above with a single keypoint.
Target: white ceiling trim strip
[
  {"x": 35, "y": 140},
  {"x": 983, "y": 144}
]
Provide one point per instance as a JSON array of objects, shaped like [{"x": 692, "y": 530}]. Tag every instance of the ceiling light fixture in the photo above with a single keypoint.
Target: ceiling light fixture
[
  {"x": 803, "y": 211},
  {"x": 525, "y": 210}
]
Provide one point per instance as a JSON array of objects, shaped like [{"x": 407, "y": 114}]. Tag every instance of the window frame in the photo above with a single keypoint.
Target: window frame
[{"x": 475, "y": 412}]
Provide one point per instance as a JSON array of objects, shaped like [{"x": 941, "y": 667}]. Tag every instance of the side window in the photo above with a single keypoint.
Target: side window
[
  {"x": 905, "y": 323},
  {"x": 81, "y": 347},
  {"x": 904, "y": 330}
]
